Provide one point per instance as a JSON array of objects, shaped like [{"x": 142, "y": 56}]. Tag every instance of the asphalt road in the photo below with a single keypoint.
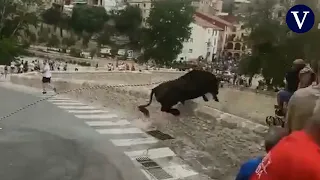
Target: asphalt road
[{"x": 46, "y": 143}]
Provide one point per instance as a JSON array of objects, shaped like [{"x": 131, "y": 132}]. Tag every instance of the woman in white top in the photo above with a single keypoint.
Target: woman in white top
[{"x": 46, "y": 77}]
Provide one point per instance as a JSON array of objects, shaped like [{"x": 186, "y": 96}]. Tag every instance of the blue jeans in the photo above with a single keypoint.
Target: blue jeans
[{"x": 284, "y": 96}]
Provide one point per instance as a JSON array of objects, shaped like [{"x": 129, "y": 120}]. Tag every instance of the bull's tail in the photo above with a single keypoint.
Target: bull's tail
[{"x": 143, "y": 108}]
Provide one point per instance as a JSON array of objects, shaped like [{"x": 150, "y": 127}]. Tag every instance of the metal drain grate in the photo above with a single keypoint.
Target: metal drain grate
[
  {"x": 159, "y": 135},
  {"x": 153, "y": 168}
]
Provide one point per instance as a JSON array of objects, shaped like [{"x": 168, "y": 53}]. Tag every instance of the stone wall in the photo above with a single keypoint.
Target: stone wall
[
  {"x": 241, "y": 102},
  {"x": 99, "y": 91}
]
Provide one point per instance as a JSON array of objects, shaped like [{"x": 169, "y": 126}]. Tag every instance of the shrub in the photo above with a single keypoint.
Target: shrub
[{"x": 74, "y": 52}]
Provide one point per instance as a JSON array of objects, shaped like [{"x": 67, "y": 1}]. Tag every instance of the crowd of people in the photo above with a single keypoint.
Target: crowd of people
[{"x": 293, "y": 150}]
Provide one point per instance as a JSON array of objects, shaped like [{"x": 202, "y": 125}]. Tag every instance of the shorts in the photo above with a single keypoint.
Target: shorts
[
  {"x": 284, "y": 96},
  {"x": 46, "y": 80}
]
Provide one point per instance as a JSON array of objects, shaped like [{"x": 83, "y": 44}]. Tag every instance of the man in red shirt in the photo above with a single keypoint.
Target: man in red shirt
[{"x": 295, "y": 157}]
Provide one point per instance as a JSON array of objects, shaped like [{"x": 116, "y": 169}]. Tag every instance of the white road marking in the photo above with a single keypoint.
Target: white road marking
[
  {"x": 120, "y": 131},
  {"x": 108, "y": 123},
  {"x": 68, "y": 104},
  {"x": 95, "y": 116},
  {"x": 86, "y": 111},
  {"x": 61, "y": 100},
  {"x": 132, "y": 142},
  {"x": 151, "y": 153},
  {"x": 77, "y": 107},
  {"x": 179, "y": 171}
]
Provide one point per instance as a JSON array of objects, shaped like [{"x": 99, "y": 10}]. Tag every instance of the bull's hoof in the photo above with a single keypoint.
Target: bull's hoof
[
  {"x": 175, "y": 112},
  {"x": 144, "y": 111}
]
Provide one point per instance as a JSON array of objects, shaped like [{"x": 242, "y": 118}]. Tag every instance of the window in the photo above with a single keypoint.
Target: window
[
  {"x": 191, "y": 40},
  {"x": 144, "y": 4},
  {"x": 190, "y": 50},
  {"x": 138, "y": 5}
]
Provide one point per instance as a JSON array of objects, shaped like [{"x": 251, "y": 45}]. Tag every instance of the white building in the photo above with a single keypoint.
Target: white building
[
  {"x": 203, "y": 41},
  {"x": 145, "y": 6},
  {"x": 208, "y": 6}
]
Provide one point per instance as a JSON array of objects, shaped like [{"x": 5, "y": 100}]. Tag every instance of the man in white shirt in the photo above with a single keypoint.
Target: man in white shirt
[{"x": 46, "y": 77}]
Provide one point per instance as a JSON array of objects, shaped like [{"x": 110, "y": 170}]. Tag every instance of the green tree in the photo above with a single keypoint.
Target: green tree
[
  {"x": 274, "y": 46},
  {"x": 53, "y": 41},
  {"x": 168, "y": 27},
  {"x": 128, "y": 19},
  {"x": 68, "y": 41},
  {"x": 268, "y": 43},
  {"x": 87, "y": 20},
  {"x": 131, "y": 28},
  {"x": 52, "y": 16},
  {"x": 16, "y": 17},
  {"x": 104, "y": 37},
  {"x": 55, "y": 17}
]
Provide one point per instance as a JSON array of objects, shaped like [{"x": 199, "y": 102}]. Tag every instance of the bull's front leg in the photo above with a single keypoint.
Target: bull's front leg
[{"x": 204, "y": 97}]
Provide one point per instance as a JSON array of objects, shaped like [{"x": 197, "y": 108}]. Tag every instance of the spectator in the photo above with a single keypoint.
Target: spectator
[
  {"x": 273, "y": 137},
  {"x": 5, "y": 71},
  {"x": 295, "y": 157},
  {"x": 306, "y": 77},
  {"x": 300, "y": 107},
  {"x": 292, "y": 83}
]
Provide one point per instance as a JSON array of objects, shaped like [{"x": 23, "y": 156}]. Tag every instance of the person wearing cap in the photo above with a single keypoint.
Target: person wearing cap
[
  {"x": 301, "y": 105},
  {"x": 296, "y": 156},
  {"x": 274, "y": 135},
  {"x": 292, "y": 84}
]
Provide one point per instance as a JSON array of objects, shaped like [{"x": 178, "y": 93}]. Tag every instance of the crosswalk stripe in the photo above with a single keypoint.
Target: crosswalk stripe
[
  {"x": 120, "y": 131},
  {"x": 68, "y": 103},
  {"x": 108, "y": 123},
  {"x": 86, "y": 111},
  {"x": 179, "y": 171},
  {"x": 151, "y": 153},
  {"x": 77, "y": 107},
  {"x": 132, "y": 142},
  {"x": 96, "y": 116}
]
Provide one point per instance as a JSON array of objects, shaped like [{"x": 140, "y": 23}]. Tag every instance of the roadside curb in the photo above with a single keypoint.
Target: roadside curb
[{"x": 202, "y": 111}]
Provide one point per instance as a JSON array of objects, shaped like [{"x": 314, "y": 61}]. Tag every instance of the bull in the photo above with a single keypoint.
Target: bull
[{"x": 192, "y": 85}]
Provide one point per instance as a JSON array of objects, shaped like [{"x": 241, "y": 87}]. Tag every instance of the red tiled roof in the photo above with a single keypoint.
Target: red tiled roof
[
  {"x": 205, "y": 24},
  {"x": 229, "y": 18},
  {"x": 216, "y": 18}
]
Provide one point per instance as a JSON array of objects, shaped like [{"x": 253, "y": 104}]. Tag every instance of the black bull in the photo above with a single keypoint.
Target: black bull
[{"x": 192, "y": 85}]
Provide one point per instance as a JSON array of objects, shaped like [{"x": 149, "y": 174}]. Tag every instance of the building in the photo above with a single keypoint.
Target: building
[
  {"x": 203, "y": 41},
  {"x": 109, "y": 5},
  {"x": 212, "y": 7},
  {"x": 227, "y": 29},
  {"x": 145, "y": 6},
  {"x": 241, "y": 6},
  {"x": 236, "y": 42}
]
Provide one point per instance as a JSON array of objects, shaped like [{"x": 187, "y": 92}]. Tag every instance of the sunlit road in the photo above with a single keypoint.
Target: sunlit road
[{"x": 46, "y": 143}]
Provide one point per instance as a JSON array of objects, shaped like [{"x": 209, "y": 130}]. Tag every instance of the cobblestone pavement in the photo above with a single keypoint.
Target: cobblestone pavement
[{"x": 208, "y": 146}]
